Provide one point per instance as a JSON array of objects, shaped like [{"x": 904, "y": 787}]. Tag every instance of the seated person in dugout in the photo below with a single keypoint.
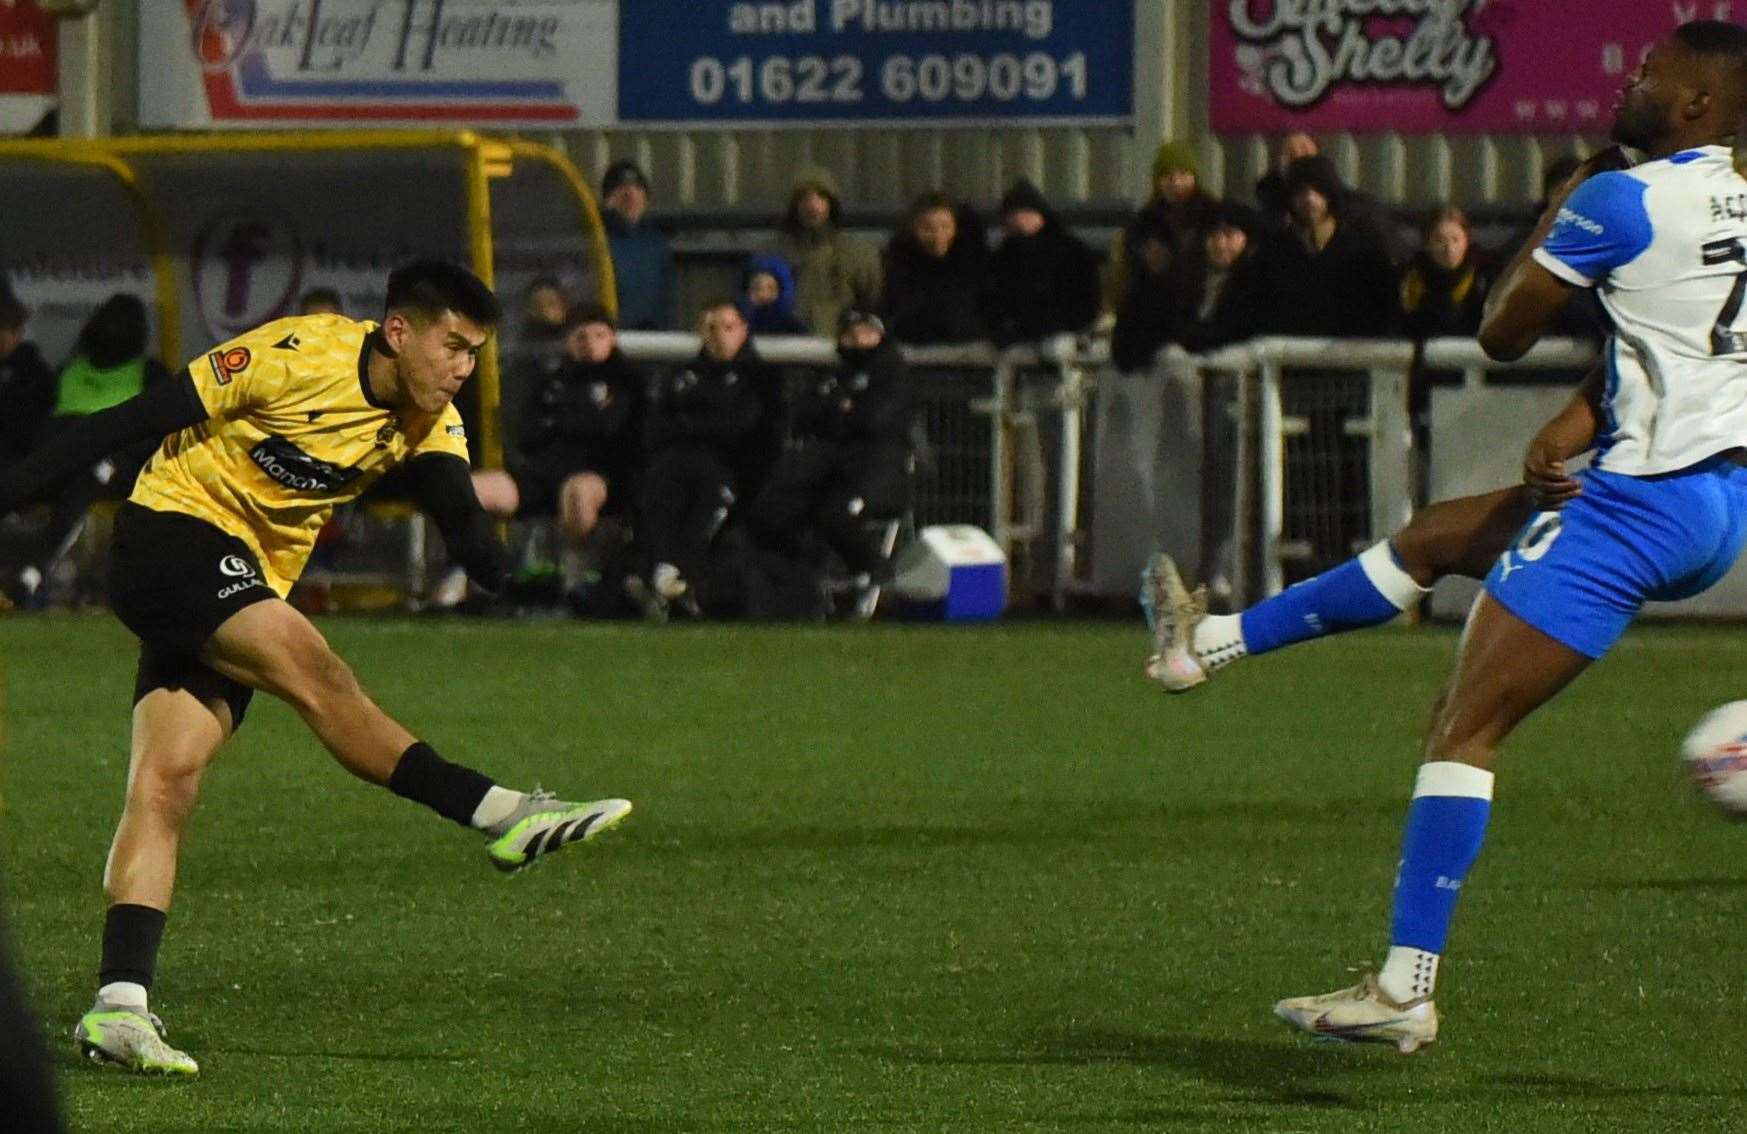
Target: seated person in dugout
[
  {"x": 710, "y": 441},
  {"x": 849, "y": 458},
  {"x": 581, "y": 437}
]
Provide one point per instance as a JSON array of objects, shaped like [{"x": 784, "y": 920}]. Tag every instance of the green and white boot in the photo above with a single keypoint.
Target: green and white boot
[
  {"x": 543, "y": 824},
  {"x": 131, "y": 1039}
]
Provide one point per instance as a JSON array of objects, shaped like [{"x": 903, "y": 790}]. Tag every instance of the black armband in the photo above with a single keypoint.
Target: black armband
[
  {"x": 443, "y": 485},
  {"x": 161, "y": 410}
]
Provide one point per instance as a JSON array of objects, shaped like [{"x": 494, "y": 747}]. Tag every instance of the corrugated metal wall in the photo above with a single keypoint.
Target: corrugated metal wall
[{"x": 881, "y": 169}]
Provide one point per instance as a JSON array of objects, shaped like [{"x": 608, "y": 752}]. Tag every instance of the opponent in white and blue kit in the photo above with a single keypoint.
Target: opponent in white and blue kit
[{"x": 1661, "y": 513}]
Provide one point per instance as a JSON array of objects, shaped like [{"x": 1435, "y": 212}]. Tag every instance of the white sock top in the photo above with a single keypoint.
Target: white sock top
[
  {"x": 1450, "y": 777},
  {"x": 123, "y": 994},
  {"x": 1394, "y": 584}
]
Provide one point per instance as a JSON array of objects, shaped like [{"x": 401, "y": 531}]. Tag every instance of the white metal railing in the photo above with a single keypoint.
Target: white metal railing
[{"x": 1018, "y": 486}]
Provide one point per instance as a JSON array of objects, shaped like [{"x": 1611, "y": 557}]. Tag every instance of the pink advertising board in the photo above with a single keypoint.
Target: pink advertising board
[{"x": 1431, "y": 66}]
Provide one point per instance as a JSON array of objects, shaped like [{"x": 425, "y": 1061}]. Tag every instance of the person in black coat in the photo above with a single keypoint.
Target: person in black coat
[
  {"x": 1045, "y": 277},
  {"x": 27, "y": 382},
  {"x": 849, "y": 460},
  {"x": 1146, "y": 308},
  {"x": 937, "y": 276},
  {"x": 1328, "y": 276},
  {"x": 1220, "y": 288},
  {"x": 709, "y": 444},
  {"x": 580, "y": 435}
]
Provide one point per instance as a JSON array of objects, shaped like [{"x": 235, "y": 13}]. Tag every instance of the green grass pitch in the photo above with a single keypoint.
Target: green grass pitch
[{"x": 895, "y": 878}]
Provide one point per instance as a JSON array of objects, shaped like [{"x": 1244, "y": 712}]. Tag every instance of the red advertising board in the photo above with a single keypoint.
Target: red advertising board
[
  {"x": 1430, "y": 66},
  {"x": 27, "y": 49}
]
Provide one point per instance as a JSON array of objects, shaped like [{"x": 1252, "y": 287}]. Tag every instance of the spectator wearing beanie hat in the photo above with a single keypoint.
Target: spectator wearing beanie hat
[
  {"x": 642, "y": 255},
  {"x": 1045, "y": 277},
  {"x": 1179, "y": 208},
  {"x": 833, "y": 270}
]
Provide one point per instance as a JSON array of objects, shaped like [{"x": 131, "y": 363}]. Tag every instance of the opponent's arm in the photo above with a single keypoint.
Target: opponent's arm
[
  {"x": 162, "y": 409},
  {"x": 443, "y": 484},
  {"x": 1570, "y": 432},
  {"x": 1527, "y": 297}
]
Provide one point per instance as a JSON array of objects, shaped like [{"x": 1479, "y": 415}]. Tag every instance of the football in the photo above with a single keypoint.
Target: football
[{"x": 1716, "y": 755}]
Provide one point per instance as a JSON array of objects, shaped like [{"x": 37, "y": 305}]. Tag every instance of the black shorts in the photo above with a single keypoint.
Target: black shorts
[{"x": 173, "y": 581}]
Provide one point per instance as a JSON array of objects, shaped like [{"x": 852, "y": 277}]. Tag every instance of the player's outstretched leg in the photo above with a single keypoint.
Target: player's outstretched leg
[
  {"x": 272, "y": 647},
  {"x": 1453, "y": 537},
  {"x": 1505, "y": 670}
]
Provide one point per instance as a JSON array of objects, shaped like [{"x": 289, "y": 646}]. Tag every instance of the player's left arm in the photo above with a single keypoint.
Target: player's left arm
[
  {"x": 1593, "y": 223},
  {"x": 442, "y": 479}
]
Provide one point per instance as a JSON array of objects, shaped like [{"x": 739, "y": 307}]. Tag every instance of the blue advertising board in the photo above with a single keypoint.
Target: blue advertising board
[{"x": 876, "y": 62}]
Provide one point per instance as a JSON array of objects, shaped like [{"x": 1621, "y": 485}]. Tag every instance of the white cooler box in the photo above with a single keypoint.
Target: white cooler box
[{"x": 953, "y": 571}]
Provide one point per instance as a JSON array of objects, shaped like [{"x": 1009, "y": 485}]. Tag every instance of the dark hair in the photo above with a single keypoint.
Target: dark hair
[
  {"x": 1722, "y": 42},
  {"x": 1447, "y": 213},
  {"x": 115, "y": 333},
  {"x": 13, "y": 313},
  {"x": 430, "y": 287},
  {"x": 543, "y": 283},
  {"x": 585, "y": 313},
  {"x": 728, "y": 301},
  {"x": 324, "y": 295}
]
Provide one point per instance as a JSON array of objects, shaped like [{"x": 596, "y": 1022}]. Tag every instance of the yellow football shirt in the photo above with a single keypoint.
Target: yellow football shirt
[{"x": 292, "y": 433}]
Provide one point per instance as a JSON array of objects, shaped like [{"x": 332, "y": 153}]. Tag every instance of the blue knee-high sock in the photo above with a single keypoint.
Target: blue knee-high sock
[
  {"x": 1364, "y": 591},
  {"x": 1446, "y": 825}
]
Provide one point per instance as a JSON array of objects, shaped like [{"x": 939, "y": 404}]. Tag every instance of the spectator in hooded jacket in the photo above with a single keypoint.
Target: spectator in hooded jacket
[
  {"x": 767, "y": 296},
  {"x": 1045, "y": 277},
  {"x": 27, "y": 383},
  {"x": 1178, "y": 213},
  {"x": 1443, "y": 288},
  {"x": 833, "y": 270},
  {"x": 937, "y": 275},
  {"x": 708, "y": 447},
  {"x": 1221, "y": 289},
  {"x": 643, "y": 268},
  {"x": 1327, "y": 275},
  {"x": 850, "y": 459}
]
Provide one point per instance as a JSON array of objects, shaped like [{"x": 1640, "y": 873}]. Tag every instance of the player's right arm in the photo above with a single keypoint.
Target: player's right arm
[
  {"x": 231, "y": 378},
  {"x": 1593, "y": 223}
]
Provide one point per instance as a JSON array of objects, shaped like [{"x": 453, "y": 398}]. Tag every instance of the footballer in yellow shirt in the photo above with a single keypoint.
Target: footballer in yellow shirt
[
  {"x": 294, "y": 431},
  {"x": 261, "y": 438}
]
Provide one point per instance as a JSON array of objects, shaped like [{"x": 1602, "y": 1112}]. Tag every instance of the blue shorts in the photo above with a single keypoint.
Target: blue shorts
[{"x": 1579, "y": 575}]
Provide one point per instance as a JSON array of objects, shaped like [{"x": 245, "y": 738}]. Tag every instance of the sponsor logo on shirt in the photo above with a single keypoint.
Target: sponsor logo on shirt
[
  {"x": 456, "y": 431},
  {"x": 1578, "y": 220},
  {"x": 228, "y": 364},
  {"x": 292, "y": 468}
]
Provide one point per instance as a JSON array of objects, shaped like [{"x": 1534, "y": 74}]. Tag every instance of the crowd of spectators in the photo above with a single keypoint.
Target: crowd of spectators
[
  {"x": 725, "y": 485},
  {"x": 1304, "y": 254}
]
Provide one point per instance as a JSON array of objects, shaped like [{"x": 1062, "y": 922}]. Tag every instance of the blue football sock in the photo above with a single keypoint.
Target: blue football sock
[
  {"x": 1364, "y": 591},
  {"x": 1446, "y": 826}
]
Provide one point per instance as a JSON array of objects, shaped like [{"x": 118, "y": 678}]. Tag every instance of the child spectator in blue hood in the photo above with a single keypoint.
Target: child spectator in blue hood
[{"x": 767, "y": 296}]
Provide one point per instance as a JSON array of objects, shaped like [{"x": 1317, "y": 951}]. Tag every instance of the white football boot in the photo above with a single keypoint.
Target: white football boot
[
  {"x": 542, "y": 824},
  {"x": 1174, "y": 611},
  {"x": 1363, "y": 1014},
  {"x": 130, "y": 1039}
]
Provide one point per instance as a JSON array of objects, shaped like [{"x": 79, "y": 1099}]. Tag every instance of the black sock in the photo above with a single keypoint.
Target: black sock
[
  {"x": 131, "y": 935},
  {"x": 448, "y": 789}
]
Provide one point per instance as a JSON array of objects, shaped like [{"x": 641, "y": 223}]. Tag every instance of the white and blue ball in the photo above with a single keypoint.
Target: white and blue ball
[{"x": 1716, "y": 756}]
